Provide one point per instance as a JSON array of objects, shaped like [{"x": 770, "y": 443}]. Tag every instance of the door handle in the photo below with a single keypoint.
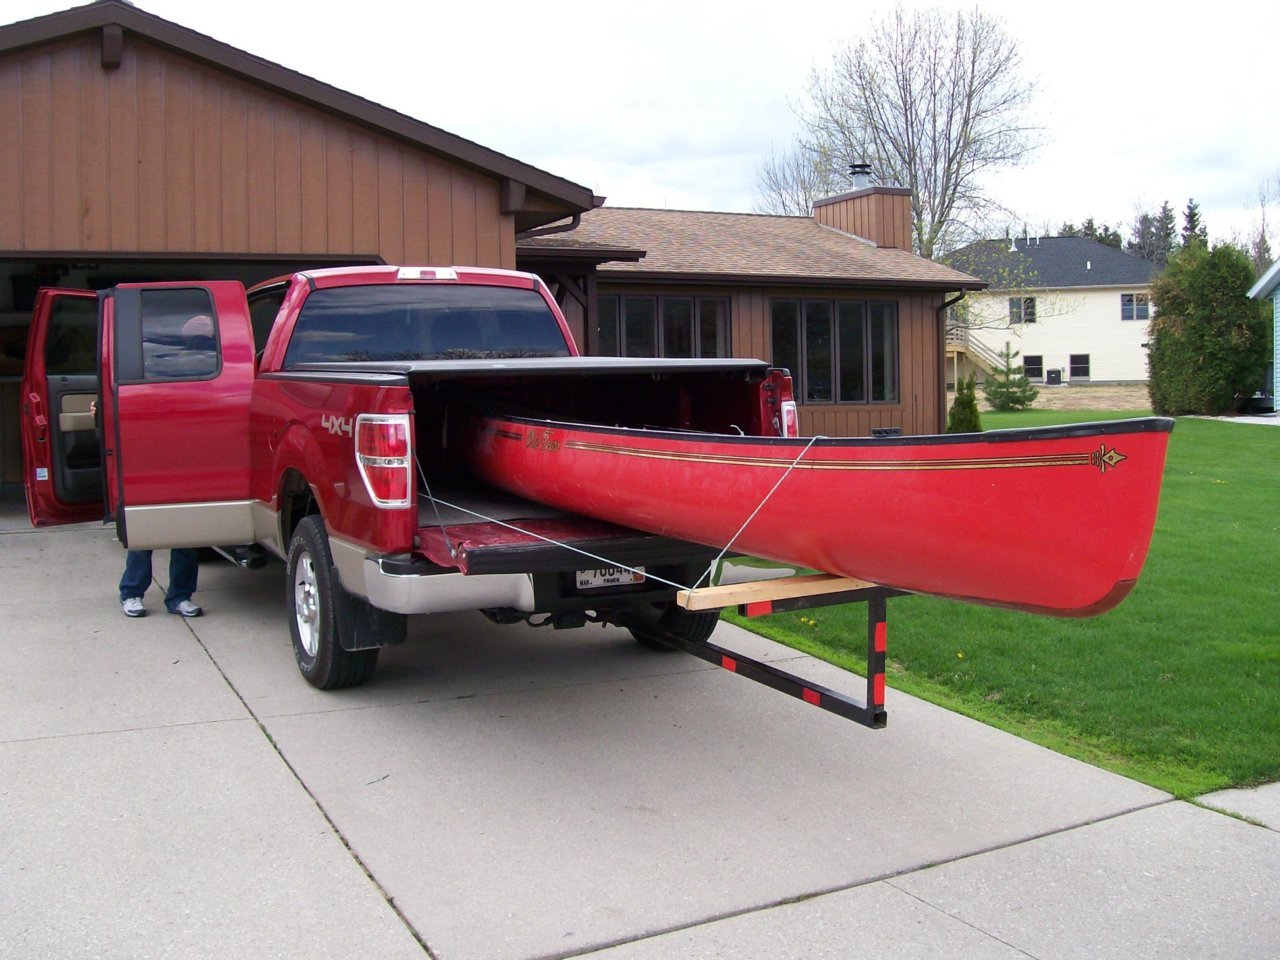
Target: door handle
[{"x": 38, "y": 419}]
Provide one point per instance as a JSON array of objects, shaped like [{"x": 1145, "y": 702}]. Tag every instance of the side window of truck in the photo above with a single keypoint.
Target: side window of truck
[
  {"x": 263, "y": 307},
  {"x": 179, "y": 335},
  {"x": 71, "y": 344}
]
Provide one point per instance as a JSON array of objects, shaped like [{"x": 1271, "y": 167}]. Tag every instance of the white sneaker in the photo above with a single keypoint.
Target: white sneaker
[
  {"x": 186, "y": 608},
  {"x": 132, "y": 607}
]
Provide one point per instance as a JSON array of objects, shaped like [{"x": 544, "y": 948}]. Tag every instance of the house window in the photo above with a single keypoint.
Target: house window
[
  {"x": 838, "y": 351},
  {"x": 1135, "y": 306},
  {"x": 1079, "y": 366},
  {"x": 1022, "y": 309},
  {"x": 663, "y": 326},
  {"x": 1033, "y": 367}
]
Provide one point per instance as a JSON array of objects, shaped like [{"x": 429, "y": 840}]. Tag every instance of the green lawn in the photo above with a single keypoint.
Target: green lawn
[{"x": 1178, "y": 687}]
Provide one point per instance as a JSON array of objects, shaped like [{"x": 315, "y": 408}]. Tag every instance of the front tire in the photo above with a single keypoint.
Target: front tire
[
  {"x": 649, "y": 622},
  {"x": 310, "y": 589}
]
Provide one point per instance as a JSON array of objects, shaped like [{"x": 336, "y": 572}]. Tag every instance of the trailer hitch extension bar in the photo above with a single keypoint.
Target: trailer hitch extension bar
[{"x": 869, "y": 712}]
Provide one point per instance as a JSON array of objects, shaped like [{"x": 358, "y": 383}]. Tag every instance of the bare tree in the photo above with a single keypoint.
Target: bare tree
[
  {"x": 933, "y": 101},
  {"x": 789, "y": 182}
]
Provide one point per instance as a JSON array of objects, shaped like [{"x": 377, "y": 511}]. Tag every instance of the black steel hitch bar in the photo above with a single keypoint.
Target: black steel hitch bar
[{"x": 869, "y": 712}]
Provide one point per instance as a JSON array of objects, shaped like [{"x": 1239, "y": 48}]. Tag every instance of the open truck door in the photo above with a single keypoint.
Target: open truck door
[
  {"x": 171, "y": 368},
  {"x": 61, "y": 445},
  {"x": 177, "y": 361}
]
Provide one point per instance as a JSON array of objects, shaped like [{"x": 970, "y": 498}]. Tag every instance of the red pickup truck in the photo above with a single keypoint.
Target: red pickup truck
[{"x": 317, "y": 416}]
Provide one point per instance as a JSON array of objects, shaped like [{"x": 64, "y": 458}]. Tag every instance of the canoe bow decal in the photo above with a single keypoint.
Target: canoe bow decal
[{"x": 1103, "y": 458}]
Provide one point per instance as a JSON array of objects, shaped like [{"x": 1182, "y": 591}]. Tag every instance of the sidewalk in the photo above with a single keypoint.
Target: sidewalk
[{"x": 172, "y": 788}]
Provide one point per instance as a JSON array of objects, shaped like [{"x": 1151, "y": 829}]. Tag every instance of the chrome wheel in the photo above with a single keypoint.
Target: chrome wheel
[{"x": 306, "y": 605}]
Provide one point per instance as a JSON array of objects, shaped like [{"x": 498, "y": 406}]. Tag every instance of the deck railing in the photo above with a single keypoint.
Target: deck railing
[{"x": 979, "y": 352}]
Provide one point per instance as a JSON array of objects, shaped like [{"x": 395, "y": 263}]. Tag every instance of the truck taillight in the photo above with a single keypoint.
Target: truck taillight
[
  {"x": 790, "y": 419},
  {"x": 384, "y": 458}
]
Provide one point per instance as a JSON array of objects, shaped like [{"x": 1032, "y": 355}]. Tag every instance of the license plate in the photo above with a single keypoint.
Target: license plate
[{"x": 609, "y": 577}]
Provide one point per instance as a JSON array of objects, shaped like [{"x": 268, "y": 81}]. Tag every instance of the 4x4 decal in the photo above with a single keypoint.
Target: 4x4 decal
[{"x": 338, "y": 426}]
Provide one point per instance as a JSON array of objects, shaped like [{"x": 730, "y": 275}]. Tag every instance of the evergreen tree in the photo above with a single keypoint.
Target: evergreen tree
[
  {"x": 1209, "y": 342},
  {"x": 963, "y": 417},
  {"x": 1154, "y": 236},
  {"x": 1166, "y": 233},
  {"x": 1193, "y": 231},
  {"x": 1101, "y": 233},
  {"x": 1141, "y": 242},
  {"x": 1007, "y": 388}
]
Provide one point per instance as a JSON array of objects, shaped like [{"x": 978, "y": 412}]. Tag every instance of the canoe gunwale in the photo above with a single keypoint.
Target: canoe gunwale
[{"x": 1097, "y": 428}]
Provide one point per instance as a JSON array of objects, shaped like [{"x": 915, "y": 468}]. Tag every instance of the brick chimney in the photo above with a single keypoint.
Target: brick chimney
[{"x": 879, "y": 214}]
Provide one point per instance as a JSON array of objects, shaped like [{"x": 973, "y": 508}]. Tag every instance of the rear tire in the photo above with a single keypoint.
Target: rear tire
[
  {"x": 310, "y": 590},
  {"x": 647, "y": 624}
]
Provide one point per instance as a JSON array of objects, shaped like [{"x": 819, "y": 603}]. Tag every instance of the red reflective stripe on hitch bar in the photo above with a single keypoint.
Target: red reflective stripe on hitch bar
[{"x": 869, "y": 715}]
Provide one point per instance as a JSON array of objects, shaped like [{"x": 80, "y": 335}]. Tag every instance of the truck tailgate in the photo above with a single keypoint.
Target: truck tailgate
[{"x": 550, "y": 545}]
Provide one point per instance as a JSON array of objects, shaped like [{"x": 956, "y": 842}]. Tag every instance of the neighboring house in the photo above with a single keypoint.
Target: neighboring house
[
  {"x": 1268, "y": 287},
  {"x": 1076, "y": 310},
  {"x": 838, "y": 298}
]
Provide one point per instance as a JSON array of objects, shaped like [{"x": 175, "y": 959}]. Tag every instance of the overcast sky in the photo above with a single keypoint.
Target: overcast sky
[{"x": 675, "y": 104}]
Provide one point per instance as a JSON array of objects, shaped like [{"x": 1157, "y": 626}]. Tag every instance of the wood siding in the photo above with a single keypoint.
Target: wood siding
[
  {"x": 166, "y": 155},
  {"x": 921, "y": 409},
  {"x": 881, "y": 216}
]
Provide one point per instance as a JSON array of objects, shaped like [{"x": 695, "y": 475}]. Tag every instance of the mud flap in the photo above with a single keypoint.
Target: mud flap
[{"x": 362, "y": 626}]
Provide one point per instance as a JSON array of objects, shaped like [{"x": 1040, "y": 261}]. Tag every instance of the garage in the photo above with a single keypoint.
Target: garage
[{"x": 137, "y": 149}]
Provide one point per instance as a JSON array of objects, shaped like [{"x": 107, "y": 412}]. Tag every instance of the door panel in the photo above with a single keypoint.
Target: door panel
[
  {"x": 180, "y": 381},
  {"x": 61, "y": 450}
]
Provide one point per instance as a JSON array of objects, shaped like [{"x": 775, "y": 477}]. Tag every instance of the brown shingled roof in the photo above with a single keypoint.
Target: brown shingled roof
[{"x": 688, "y": 245}]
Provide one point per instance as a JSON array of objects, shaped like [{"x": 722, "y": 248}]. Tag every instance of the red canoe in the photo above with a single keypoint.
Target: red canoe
[{"x": 1053, "y": 520}]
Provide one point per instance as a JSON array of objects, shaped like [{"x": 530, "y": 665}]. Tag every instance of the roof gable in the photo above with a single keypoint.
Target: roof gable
[
  {"x": 1052, "y": 263},
  {"x": 535, "y": 196},
  {"x": 1267, "y": 284}
]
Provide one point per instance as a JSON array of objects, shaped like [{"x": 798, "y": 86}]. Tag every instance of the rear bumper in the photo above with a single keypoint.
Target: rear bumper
[{"x": 406, "y": 586}]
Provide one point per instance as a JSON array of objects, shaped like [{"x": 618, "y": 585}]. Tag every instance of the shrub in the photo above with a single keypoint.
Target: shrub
[
  {"x": 1208, "y": 341},
  {"x": 963, "y": 417},
  {"x": 1008, "y": 387}
]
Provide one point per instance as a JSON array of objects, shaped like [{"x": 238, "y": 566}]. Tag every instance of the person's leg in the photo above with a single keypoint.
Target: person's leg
[
  {"x": 137, "y": 574},
  {"x": 134, "y": 582},
  {"x": 184, "y": 568}
]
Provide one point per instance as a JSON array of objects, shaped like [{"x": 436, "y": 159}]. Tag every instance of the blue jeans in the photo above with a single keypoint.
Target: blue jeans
[{"x": 184, "y": 566}]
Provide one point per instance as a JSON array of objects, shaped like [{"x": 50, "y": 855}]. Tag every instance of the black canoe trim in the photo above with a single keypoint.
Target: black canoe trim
[{"x": 1097, "y": 428}]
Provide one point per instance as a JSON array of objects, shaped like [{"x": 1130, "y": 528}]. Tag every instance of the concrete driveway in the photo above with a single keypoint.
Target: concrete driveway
[{"x": 173, "y": 788}]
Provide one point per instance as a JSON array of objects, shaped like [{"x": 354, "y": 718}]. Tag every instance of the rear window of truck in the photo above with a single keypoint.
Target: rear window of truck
[{"x": 423, "y": 322}]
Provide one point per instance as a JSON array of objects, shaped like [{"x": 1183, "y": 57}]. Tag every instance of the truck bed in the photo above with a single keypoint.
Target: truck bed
[{"x": 487, "y": 531}]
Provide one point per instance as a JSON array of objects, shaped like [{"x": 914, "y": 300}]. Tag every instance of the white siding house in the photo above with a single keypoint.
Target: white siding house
[
  {"x": 1076, "y": 310},
  {"x": 1268, "y": 287}
]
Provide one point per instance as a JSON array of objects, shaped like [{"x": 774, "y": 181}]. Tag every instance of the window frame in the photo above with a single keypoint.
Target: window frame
[
  {"x": 134, "y": 328},
  {"x": 1022, "y": 310},
  {"x": 611, "y": 311},
  {"x": 1073, "y": 364},
  {"x": 1027, "y": 366},
  {"x": 871, "y": 315},
  {"x": 1138, "y": 303}
]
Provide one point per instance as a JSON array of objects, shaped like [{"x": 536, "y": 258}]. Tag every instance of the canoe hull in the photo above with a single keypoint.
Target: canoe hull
[{"x": 1054, "y": 521}]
